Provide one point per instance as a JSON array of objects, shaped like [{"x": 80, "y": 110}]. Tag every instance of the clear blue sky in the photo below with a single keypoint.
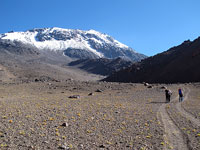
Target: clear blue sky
[{"x": 148, "y": 26}]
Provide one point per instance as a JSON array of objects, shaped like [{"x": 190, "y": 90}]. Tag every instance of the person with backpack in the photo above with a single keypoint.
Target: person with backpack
[
  {"x": 180, "y": 93},
  {"x": 168, "y": 94}
]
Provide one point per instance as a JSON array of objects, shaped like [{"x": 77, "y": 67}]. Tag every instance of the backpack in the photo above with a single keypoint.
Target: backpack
[{"x": 170, "y": 92}]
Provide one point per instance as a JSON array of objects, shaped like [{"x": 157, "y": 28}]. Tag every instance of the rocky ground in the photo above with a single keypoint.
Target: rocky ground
[
  {"x": 40, "y": 115},
  {"x": 192, "y": 105},
  {"x": 36, "y": 112},
  {"x": 185, "y": 115}
]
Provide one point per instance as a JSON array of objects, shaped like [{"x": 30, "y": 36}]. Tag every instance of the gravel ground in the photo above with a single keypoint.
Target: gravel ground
[
  {"x": 192, "y": 105},
  {"x": 120, "y": 116},
  {"x": 183, "y": 119}
]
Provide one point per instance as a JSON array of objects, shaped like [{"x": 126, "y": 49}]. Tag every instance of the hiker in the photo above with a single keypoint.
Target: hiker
[
  {"x": 180, "y": 93},
  {"x": 168, "y": 94}
]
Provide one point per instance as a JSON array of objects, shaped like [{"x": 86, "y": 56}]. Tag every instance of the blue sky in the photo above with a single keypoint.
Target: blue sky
[{"x": 148, "y": 26}]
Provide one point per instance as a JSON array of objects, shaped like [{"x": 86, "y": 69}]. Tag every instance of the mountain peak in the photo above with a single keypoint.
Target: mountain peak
[{"x": 74, "y": 43}]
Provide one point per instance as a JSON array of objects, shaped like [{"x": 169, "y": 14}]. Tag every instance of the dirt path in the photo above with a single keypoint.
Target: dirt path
[
  {"x": 186, "y": 114},
  {"x": 173, "y": 136}
]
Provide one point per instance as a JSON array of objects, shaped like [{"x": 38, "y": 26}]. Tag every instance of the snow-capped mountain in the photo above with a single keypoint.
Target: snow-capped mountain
[{"x": 74, "y": 43}]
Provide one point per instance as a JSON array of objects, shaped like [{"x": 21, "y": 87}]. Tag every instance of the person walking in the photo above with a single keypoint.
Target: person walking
[
  {"x": 180, "y": 93},
  {"x": 168, "y": 94}
]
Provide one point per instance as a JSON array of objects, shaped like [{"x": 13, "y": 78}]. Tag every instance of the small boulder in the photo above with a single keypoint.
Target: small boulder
[
  {"x": 65, "y": 124},
  {"x": 64, "y": 146},
  {"x": 163, "y": 87},
  {"x": 46, "y": 142},
  {"x": 98, "y": 90},
  {"x": 75, "y": 96},
  {"x": 90, "y": 94},
  {"x": 102, "y": 146},
  {"x": 37, "y": 80}
]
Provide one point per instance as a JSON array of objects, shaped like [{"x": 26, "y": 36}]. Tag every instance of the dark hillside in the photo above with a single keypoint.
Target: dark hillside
[
  {"x": 178, "y": 64},
  {"x": 102, "y": 66}
]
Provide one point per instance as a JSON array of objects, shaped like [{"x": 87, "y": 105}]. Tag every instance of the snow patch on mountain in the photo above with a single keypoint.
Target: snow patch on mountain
[{"x": 58, "y": 39}]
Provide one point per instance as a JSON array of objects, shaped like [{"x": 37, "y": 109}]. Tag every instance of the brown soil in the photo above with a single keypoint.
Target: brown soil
[
  {"x": 121, "y": 116},
  {"x": 187, "y": 123}
]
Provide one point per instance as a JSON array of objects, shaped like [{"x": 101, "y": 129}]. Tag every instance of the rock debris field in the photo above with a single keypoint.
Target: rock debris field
[{"x": 97, "y": 115}]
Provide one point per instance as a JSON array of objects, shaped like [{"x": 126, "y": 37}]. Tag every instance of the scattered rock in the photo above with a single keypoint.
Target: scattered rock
[
  {"x": 149, "y": 86},
  {"x": 31, "y": 147},
  {"x": 37, "y": 80},
  {"x": 75, "y": 96},
  {"x": 98, "y": 90},
  {"x": 81, "y": 146},
  {"x": 146, "y": 84},
  {"x": 102, "y": 146},
  {"x": 90, "y": 94},
  {"x": 163, "y": 87},
  {"x": 46, "y": 142},
  {"x": 64, "y": 146},
  {"x": 57, "y": 80},
  {"x": 65, "y": 124}
]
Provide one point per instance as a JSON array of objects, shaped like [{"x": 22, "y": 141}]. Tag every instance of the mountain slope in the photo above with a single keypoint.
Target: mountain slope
[
  {"x": 178, "y": 64},
  {"x": 102, "y": 66},
  {"x": 73, "y": 43}
]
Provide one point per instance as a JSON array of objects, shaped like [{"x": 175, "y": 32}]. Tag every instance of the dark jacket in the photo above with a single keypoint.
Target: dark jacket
[{"x": 168, "y": 93}]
